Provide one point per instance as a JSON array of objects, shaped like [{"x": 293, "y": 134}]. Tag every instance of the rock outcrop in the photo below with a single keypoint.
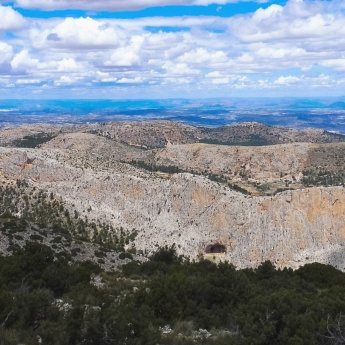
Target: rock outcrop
[{"x": 290, "y": 229}]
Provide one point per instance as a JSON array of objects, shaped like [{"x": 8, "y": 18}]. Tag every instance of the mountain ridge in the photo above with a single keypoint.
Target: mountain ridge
[
  {"x": 124, "y": 186},
  {"x": 160, "y": 133}
]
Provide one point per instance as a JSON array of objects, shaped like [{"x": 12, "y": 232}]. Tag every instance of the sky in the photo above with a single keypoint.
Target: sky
[{"x": 152, "y": 49}]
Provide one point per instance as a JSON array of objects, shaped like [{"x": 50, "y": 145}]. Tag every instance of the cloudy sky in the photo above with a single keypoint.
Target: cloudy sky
[{"x": 171, "y": 48}]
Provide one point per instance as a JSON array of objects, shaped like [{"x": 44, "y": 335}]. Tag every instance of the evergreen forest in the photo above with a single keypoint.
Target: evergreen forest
[{"x": 168, "y": 300}]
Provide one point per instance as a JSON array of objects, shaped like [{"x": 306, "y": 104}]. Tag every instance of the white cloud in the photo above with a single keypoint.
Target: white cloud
[
  {"x": 11, "y": 20},
  {"x": 6, "y": 82},
  {"x": 6, "y": 52},
  {"x": 214, "y": 74},
  {"x": 127, "y": 56},
  {"x": 266, "y": 14},
  {"x": 298, "y": 20},
  {"x": 122, "y": 57},
  {"x": 223, "y": 78},
  {"x": 135, "y": 80},
  {"x": 220, "y": 81},
  {"x": 23, "y": 63},
  {"x": 181, "y": 69},
  {"x": 27, "y": 81},
  {"x": 202, "y": 56},
  {"x": 81, "y": 33},
  {"x": 66, "y": 79},
  {"x": 177, "y": 81},
  {"x": 303, "y": 81},
  {"x": 280, "y": 52},
  {"x": 336, "y": 64},
  {"x": 64, "y": 65},
  {"x": 267, "y": 49},
  {"x": 115, "y": 5},
  {"x": 68, "y": 65},
  {"x": 287, "y": 80},
  {"x": 104, "y": 77}
]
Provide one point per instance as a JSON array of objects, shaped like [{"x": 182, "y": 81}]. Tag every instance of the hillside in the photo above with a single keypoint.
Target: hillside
[
  {"x": 245, "y": 204},
  {"x": 156, "y": 134},
  {"x": 260, "y": 170},
  {"x": 159, "y": 134}
]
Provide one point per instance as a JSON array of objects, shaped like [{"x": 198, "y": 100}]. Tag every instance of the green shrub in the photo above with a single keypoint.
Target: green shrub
[
  {"x": 36, "y": 237},
  {"x": 125, "y": 255}
]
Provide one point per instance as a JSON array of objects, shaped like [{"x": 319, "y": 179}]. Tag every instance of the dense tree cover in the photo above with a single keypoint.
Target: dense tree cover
[
  {"x": 166, "y": 300},
  {"x": 31, "y": 282},
  {"x": 316, "y": 177},
  {"x": 23, "y": 207},
  {"x": 169, "y": 169},
  {"x": 34, "y": 140}
]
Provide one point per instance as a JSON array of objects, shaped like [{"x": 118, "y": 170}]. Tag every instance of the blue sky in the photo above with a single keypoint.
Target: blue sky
[{"x": 118, "y": 49}]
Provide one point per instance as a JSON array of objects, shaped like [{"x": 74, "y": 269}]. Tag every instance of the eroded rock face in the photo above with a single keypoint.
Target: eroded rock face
[{"x": 291, "y": 228}]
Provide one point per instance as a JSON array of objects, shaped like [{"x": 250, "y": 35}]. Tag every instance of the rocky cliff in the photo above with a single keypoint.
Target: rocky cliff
[{"x": 290, "y": 228}]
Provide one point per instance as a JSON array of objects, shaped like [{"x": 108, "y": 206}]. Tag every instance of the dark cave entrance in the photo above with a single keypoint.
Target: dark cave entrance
[{"x": 216, "y": 248}]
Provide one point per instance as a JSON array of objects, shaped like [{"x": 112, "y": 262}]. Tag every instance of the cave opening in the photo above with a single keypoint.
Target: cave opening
[{"x": 216, "y": 248}]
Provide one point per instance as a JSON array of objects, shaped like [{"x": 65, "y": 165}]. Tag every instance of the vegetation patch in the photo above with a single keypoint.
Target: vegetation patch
[
  {"x": 252, "y": 140},
  {"x": 166, "y": 300},
  {"x": 34, "y": 140},
  {"x": 35, "y": 237},
  {"x": 315, "y": 177},
  {"x": 238, "y": 188},
  {"x": 169, "y": 169},
  {"x": 125, "y": 255}
]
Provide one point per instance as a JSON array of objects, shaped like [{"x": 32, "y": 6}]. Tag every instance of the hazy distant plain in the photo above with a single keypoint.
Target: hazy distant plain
[{"x": 324, "y": 113}]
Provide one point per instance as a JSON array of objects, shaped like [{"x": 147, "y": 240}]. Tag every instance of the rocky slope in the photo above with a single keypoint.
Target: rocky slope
[
  {"x": 261, "y": 170},
  {"x": 154, "y": 134},
  {"x": 158, "y": 134},
  {"x": 89, "y": 174},
  {"x": 253, "y": 133}
]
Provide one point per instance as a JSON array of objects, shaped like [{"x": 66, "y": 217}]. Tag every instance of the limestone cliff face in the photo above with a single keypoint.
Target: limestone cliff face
[{"x": 290, "y": 228}]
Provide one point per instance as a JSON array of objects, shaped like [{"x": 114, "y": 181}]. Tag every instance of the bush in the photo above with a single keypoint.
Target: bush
[
  {"x": 100, "y": 254},
  {"x": 125, "y": 255},
  {"x": 35, "y": 237}
]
